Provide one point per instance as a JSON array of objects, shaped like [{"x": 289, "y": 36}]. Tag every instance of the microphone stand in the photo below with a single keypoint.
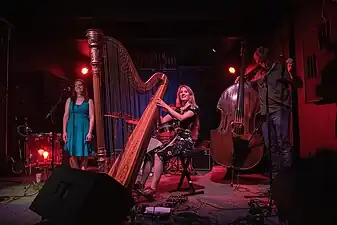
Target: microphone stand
[
  {"x": 269, "y": 205},
  {"x": 269, "y": 194},
  {"x": 50, "y": 114},
  {"x": 5, "y": 98}
]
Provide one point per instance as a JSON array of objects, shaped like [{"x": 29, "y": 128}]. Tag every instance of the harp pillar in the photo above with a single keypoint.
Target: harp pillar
[{"x": 95, "y": 42}]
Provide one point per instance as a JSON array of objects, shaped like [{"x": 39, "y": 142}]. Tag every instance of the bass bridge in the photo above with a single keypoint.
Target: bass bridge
[{"x": 238, "y": 128}]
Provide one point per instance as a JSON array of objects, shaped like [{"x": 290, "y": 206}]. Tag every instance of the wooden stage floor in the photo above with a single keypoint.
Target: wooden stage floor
[{"x": 221, "y": 202}]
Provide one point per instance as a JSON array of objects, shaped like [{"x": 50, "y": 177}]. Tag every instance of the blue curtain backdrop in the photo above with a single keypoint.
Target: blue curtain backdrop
[
  {"x": 134, "y": 103},
  {"x": 130, "y": 102}
]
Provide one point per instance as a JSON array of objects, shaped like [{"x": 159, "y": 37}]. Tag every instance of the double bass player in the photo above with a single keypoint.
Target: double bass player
[{"x": 278, "y": 106}]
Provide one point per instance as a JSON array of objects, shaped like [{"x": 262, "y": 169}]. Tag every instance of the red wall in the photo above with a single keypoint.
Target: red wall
[{"x": 317, "y": 122}]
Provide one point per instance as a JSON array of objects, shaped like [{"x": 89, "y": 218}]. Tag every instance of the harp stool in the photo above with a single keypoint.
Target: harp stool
[{"x": 185, "y": 157}]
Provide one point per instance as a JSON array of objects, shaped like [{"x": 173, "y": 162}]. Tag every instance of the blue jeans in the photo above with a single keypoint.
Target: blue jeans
[{"x": 280, "y": 147}]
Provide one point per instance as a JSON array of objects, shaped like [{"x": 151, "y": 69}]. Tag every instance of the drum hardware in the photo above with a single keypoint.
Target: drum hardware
[
  {"x": 128, "y": 119},
  {"x": 40, "y": 148},
  {"x": 114, "y": 115},
  {"x": 18, "y": 165},
  {"x": 120, "y": 116},
  {"x": 50, "y": 115}
]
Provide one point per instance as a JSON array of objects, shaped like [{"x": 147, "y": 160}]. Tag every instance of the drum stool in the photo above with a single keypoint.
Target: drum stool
[{"x": 185, "y": 157}]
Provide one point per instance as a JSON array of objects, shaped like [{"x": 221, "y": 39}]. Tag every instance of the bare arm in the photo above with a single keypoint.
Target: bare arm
[
  {"x": 179, "y": 116},
  {"x": 166, "y": 118},
  {"x": 66, "y": 115},
  {"x": 91, "y": 116}
]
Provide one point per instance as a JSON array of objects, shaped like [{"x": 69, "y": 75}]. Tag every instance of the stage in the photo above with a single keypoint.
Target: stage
[{"x": 221, "y": 202}]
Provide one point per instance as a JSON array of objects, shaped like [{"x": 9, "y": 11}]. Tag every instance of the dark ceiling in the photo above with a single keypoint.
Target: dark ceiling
[{"x": 232, "y": 18}]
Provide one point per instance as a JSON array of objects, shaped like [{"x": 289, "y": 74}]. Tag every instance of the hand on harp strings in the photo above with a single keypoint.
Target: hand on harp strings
[{"x": 160, "y": 103}]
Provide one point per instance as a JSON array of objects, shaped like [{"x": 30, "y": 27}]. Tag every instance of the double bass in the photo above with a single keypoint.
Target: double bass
[{"x": 237, "y": 142}]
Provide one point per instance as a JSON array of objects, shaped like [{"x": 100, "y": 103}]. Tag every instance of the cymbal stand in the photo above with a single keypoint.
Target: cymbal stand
[{"x": 27, "y": 130}]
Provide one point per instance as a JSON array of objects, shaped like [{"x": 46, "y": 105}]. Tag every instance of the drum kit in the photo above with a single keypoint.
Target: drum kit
[
  {"x": 40, "y": 148},
  {"x": 127, "y": 118},
  {"x": 35, "y": 150},
  {"x": 164, "y": 132}
]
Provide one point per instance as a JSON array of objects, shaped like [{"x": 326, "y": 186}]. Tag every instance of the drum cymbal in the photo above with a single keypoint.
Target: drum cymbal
[
  {"x": 132, "y": 121},
  {"x": 118, "y": 116},
  {"x": 114, "y": 115}
]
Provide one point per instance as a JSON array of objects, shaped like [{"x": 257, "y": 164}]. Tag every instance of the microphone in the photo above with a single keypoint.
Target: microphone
[{"x": 290, "y": 61}]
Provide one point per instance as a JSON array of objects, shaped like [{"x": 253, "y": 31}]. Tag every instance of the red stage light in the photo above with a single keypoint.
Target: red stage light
[
  {"x": 45, "y": 154},
  {"x": 84, "y": 70},
  {"x": 41, "y": 151},
  {"x": 231, "y": 70}
]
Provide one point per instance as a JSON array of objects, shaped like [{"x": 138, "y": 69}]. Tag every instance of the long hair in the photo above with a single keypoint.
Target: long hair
[
  {"x": 85, "y": 91},
  {"x": 192, "y": 102},
  {"x": 262, "y": 53}
]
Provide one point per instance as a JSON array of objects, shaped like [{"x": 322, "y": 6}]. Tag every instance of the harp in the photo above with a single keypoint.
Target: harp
[{"x": 118, "y": 88}]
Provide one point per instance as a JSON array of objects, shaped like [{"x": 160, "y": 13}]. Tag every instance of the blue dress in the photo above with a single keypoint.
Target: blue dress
[{"x": 77, "y": 129}]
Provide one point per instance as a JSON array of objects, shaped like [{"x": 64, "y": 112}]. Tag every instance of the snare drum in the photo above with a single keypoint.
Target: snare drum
[{"x": 165, "y": 133}]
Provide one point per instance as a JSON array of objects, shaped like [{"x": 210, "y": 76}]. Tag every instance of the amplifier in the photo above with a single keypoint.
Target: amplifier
[{"x": 202, "y": 161}]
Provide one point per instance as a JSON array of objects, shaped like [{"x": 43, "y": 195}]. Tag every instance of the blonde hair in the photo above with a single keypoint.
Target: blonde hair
[{"x": 192, "y": 102}]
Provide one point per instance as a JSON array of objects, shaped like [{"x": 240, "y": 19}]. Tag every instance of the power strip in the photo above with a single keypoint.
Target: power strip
[{"x": 150, "y": 210}]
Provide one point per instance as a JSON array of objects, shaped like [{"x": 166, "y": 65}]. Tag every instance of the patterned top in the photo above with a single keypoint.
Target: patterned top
[{"x": 188, "y": 123}]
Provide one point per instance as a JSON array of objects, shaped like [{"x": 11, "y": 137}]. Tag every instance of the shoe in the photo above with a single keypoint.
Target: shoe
[{"x": 149, "y": 193}]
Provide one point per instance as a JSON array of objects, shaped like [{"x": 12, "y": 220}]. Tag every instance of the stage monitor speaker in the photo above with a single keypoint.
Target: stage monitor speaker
[
  {"x": 71, "y": 197},
  {"x": 306, "y": 193}
]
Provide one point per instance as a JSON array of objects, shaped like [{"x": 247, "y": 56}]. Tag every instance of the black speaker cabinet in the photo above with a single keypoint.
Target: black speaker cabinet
[
  {"x": 202, "y": 160},
  {"x": 74, "y": 197}
]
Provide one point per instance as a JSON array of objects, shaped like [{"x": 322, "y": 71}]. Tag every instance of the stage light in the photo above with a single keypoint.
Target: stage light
[
  {"x": 231, "y": 70},
  {"x": 45, "y": 155},
  {"x": 41, "y": 151},
  {"x": 84, "y": 70}
]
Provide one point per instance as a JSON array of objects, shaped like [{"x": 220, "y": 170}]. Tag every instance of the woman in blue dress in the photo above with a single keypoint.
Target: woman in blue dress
[{"x": 78, "y": 124}]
